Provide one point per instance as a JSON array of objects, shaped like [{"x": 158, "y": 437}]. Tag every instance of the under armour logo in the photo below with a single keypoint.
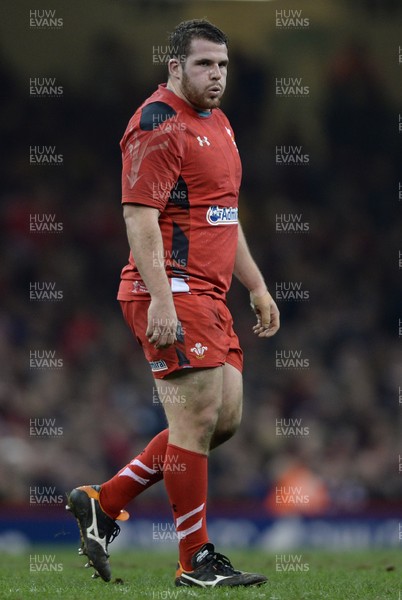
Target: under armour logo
[{"x": 203, "y": 140}]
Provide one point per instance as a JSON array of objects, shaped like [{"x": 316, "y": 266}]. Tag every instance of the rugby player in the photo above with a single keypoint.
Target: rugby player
[{"x": 180, "y": 187}]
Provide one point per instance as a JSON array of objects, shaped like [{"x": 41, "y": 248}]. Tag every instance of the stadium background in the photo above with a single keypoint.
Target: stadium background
[{"x": 347, "y": 396}]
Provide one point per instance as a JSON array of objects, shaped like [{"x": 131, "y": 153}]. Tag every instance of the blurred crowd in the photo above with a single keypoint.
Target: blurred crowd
[{"x": 344, "y": 398}]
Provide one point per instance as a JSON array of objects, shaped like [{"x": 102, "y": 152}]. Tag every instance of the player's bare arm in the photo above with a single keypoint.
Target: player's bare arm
[
  {"x": 262, "y": 303},
  {"x": 145, "y": 239}
]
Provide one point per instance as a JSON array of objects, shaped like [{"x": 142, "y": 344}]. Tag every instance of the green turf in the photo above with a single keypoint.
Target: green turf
[{"x": 358, "y": 575}]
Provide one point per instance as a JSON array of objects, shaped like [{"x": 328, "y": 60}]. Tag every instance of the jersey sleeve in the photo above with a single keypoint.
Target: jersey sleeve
[{"x": 152, "y": 155}]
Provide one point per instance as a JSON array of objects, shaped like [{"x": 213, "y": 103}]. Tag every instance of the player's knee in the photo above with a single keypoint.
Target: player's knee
[{"x": 225, "y": 430}]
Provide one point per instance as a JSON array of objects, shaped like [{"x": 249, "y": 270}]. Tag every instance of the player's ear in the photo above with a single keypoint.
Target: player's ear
[{"x": 174, "y": 68}]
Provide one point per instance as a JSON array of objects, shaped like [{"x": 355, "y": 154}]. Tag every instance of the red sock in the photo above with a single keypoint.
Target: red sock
[
  {"x": 186, "y": 479},
  {"x": 142, "y": 472}
]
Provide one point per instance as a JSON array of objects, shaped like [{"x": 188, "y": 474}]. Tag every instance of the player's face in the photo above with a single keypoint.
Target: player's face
[{"x": 203, "y": 75}]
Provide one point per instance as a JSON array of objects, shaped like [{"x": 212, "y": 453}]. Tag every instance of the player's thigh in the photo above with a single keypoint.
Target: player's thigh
[{"x": 189, "y": 393}]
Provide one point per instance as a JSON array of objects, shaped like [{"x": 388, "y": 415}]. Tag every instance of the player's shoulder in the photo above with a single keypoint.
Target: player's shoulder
[
  {"x": 155, "y": 111},
  {"x": 154, "y": 114}
]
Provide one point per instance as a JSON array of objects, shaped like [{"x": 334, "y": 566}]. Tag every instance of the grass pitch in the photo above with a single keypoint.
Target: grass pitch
[{"x": 52, "y": 573}]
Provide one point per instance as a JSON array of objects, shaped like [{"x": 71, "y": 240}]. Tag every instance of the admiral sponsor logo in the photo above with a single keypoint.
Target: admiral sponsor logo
[
  {"x": 44, "y": 428},
  {"x": 45, "y": 496},
  {"x": 290, "y": 495},
  {"x": 158, "y": 365},
  {"x": 44, "y": 223},
  {"x": 291, "y": 428},
  {"x": 400, "y": 258},
  {"x": 400, "y": 55},
  {"x": 44, "y": 359},
  {"x": 291, "y": 223},
  {"x": 399, "y": 191},
  {"x": 44, "y": 87},
  {"x": 291, "y": 19},
  {"x": 400, "y": 464},
  {"x": 400, "y": 394},
  {"x": 44, "y": 291},
  {"x": 44, "y": 156},
  {"x": 290, "y": 359},
  {"x": 291, "y": 87},
  {"x": 290, "y": 290},
  {"x": 45, "y": 19},
  {"x": 400, "y": 532},
  {"x": 400, "y": 327},
  {"x": 291, "y": 155},
  {"x": 39, "y": 563},
  {"x": 290, "y": 563},
  {"x": 217, "y": 215}
]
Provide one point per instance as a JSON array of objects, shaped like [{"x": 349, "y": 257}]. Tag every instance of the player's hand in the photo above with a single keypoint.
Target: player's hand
[
  {"x": 267, "y": 314},
  {"x": 162, "y": 322}
]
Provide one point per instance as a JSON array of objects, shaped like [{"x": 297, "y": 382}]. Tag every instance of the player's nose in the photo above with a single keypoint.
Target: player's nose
[{"x": 215, "y": 72}]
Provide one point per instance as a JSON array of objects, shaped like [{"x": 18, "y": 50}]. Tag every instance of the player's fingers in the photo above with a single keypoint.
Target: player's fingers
[
  {"x": 161, "y": 346},
  {"x": 268, "y": 328},
  {"x": 258, "y": 326},
  {"x": 167, "y": 337},
  {"x": 268, "y": 331},
  {"x": 163, "y": 342},
  {"x": 265, "y": 319},
  {"x": 155, "y": 336},
  {"x": 258, "y": 316}
]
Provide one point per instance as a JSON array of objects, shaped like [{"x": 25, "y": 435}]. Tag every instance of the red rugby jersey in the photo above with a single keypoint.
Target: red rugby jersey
[{"x": 185, "y": 164}]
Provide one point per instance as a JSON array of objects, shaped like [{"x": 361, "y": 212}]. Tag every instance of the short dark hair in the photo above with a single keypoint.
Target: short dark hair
[{"x": 181, "y": 37}]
